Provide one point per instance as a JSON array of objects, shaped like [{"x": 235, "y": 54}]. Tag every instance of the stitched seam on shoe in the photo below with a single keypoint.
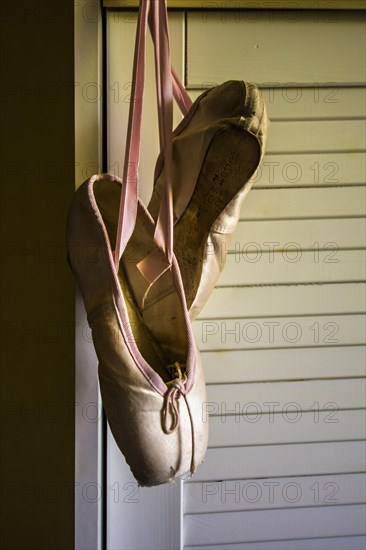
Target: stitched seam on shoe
[{"x": 159, "y": 298}]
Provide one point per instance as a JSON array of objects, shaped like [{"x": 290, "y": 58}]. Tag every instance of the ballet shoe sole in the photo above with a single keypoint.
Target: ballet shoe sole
[{"x": 230, "y": 162}]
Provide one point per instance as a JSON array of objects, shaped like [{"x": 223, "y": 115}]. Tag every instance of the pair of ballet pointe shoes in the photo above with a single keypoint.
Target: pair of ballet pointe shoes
[{"x": 150, "y": 370}]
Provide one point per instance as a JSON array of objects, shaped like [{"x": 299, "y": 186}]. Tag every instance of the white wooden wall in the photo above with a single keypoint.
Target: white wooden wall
[{"x": 283, "y": 335}]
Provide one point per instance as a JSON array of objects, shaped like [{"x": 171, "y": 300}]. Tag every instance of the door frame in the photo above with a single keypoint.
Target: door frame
[{"x": 89, "y": 416}]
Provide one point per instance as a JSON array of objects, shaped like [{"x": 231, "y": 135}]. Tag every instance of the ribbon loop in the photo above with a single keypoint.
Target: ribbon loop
[
  {"x": 168, "y": 85},
  {"x": 176, "y": 388}
]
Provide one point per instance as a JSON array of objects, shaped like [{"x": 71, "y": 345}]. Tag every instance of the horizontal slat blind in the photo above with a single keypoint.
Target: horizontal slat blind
[
  {"x": 324, "y": 543},
  {"x": 317, "y": 136},
  {"x": 284, "y": 422},
  {"x": 285, "y": 300},
  {"x": 293, "y": 267},
  {"x": 282, "y": 460},
  {"x": 324, "y": 169},
  {"x": 283, "y": 335},
  {"x": 342, "y": 233},
  {"x": 279, "y": 332},
  {"x": 256, "y": 494},
  {"x": 291, "y": 397},
  {"x": 318, "y": 102},
  {"x": 284, "y": 364},
  {"x": 305, "y": 522},
  {"x": 266, "y": 47},
  {"x": 305, "y": 203}
]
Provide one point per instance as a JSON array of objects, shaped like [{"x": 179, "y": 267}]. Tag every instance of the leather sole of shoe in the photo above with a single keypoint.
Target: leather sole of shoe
[{"x": 230, "y": 162}]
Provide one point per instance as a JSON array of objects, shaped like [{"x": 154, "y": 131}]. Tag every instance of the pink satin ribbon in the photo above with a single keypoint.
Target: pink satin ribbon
[{"x": 168, "y": 86}]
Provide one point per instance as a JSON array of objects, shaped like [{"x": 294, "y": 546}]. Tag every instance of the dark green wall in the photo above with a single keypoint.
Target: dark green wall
[{"x": 37, "y": 289}]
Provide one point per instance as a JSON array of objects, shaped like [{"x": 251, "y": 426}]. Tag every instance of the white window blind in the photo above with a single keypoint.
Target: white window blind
[{"x": 283, "y": 336}]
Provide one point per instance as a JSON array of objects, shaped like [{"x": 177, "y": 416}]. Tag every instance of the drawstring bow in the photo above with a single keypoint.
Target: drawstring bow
[{"x": 176, "y": 388}]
